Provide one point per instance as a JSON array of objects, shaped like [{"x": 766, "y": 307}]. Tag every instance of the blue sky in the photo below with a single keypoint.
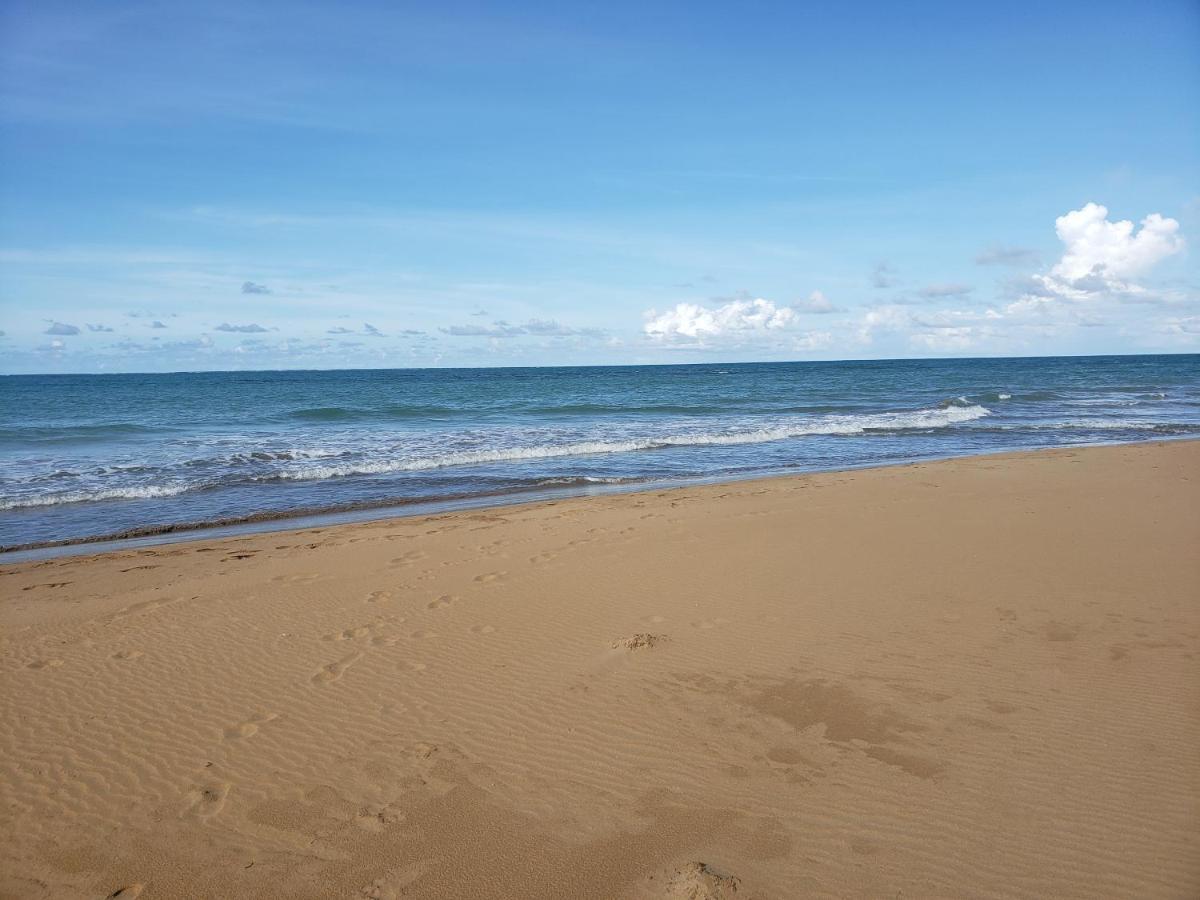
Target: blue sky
[{"x": 307, "y": 185}]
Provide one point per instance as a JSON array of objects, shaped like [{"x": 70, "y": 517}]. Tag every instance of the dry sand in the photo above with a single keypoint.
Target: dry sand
[{"x": 968, "y": 678}]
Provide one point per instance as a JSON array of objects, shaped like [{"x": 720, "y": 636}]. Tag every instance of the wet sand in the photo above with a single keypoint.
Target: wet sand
[{"x": 977, "y": 677}]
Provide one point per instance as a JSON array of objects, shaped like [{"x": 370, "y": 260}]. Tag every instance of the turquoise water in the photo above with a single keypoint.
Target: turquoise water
[{"x": 89, "y": 456}]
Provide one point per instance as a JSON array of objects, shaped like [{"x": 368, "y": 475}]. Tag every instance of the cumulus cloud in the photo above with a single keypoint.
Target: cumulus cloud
[
  {"x": 60, "y": 328},
  {"x": 940, "y": 331},
  {"x": 882, "y": 319},
  {"x": 253, "y": 287},
  {"x": 737, "y": 317},
  {"x": 940, "y": 291},
  {"x": 157, "y": 324},
  {"x": 98, "y": 328},
  {"x": 370, "y": 329},
  {"x": 817, "y": 303},
  {"x": 340, "y": 330},
  {"x": 1113, "y": 249},
  {"x": 1100, "y": 260},
  {"x": 1005, "y": 256},
  {"x": 252, "y": 328}
]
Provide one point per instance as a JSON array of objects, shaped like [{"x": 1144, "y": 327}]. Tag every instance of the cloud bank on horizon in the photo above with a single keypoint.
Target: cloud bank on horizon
[
  {"x": 1092, "y": 281},
  {"x": 639, "y": 206}
]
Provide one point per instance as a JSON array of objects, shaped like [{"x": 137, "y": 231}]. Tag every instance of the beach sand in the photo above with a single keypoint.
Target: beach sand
[{"x": 977, "y": 677}]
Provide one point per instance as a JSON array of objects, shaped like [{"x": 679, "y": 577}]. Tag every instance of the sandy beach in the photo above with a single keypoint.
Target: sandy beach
[{"x": 976, "y": 677}]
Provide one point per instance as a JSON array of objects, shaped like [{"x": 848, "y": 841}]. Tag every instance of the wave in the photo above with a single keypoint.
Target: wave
[
  {"x": 143, "y": 492},
  {"x": 832, "y": 425},
  {"x": 877, "y": 423}
]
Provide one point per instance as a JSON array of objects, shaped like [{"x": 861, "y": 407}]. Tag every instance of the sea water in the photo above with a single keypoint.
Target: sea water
[{"x": 92, "y": 456}]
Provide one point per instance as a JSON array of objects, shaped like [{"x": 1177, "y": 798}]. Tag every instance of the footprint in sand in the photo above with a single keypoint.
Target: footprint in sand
[
  {"x": 378, "y": 817},
  {"x": 45, "y": 664},
  {"x": 483, "y": 629},
  {"x": 349, "y": 634},
  {"x": 699, "y": 881},
  {"x": 490, "y": 576},
  {"x": 299, "y": 579},
  {"x": 422, "y": 635},
  {"x": 128, "y": 654},
  {"x": 143, "y": 606},
  {"x": 378, "y": 596},
  {"x": 441, "y": 602},
  {"x": 126, "y": 893},
  {"x": 407, "y": 559},
  {"x": 335, "y": 670},
  {"x": 249, "y": 728},
  {"x": 205, "y": 801},
  {"x": 643, "y": 641}
]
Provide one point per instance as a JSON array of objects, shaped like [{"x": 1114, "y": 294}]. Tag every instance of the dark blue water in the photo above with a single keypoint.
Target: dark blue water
[{"x": 97, "y": 455}]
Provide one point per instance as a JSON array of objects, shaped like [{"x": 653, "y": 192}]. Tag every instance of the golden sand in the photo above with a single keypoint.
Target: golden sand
[{"x": 967, "y": 678}]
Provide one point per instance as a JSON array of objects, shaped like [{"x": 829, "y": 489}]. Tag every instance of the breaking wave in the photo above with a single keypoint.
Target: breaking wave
[{"x": 316, "y": 465}]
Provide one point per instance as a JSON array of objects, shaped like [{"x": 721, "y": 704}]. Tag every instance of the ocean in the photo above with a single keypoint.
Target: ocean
[{"x": 86, "y": 457}]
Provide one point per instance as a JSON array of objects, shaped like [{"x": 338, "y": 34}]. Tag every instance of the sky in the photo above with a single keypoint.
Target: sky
[{"x": 244, "y": 185}]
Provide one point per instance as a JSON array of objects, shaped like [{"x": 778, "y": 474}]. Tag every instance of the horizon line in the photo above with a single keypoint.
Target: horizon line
[{"x": 773, "y": 362}]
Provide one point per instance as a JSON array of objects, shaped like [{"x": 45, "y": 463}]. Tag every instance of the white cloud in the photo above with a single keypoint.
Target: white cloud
[
  {"x": 737, "y": 317},
  {"x": 817, "y": 303},
  {"x": 883, "y": 319},
  {"x": 1112, "y": 249},
  {"x": 941, "y": 340},
  {"x": 813, "y": 340},
  {"x": 1099, "y": 262}
]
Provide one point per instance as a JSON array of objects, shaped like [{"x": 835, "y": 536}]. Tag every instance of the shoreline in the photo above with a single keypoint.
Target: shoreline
[
  {"x": 977, "y": 676},
  {"x": 359, "y": 513}
]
